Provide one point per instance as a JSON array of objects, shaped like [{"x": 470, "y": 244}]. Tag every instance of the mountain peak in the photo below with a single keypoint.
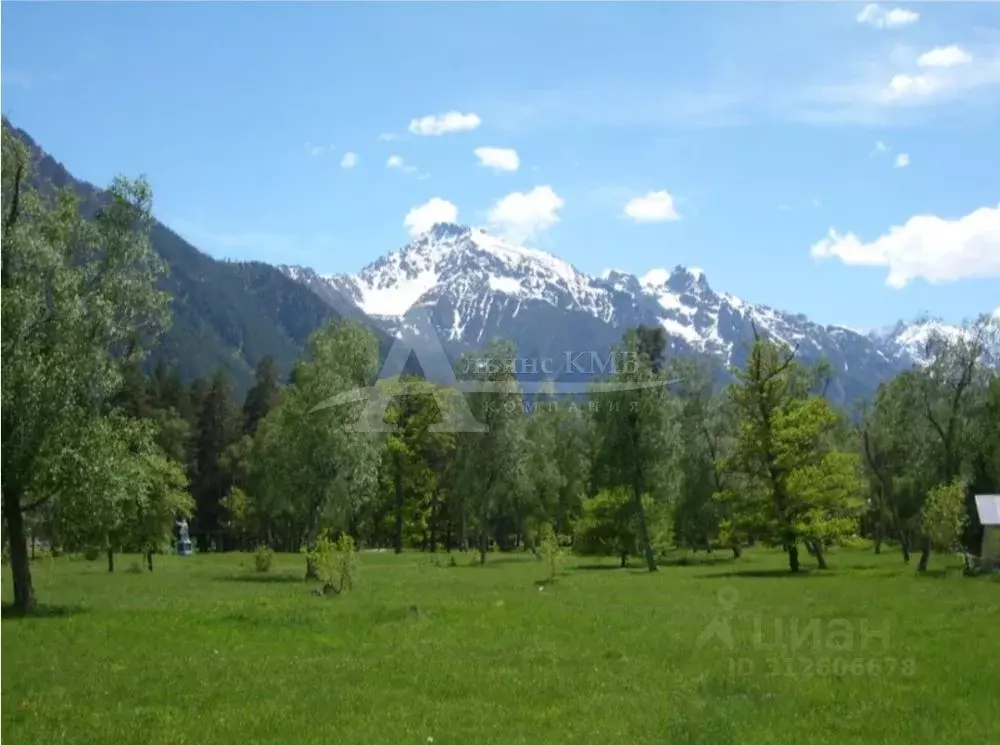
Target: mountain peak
[
  {"x": 444, "y": 230},
  {"x": 680, "y": 279}
]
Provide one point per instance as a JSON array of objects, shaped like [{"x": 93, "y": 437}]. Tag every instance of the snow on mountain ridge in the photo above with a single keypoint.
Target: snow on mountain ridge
[
  {"x": 444, "y": 259},
  {"x": 479, "y": 285}
]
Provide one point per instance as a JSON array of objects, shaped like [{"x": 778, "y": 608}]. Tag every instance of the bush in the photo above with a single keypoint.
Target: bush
[
  {"x": 854, "y": 541},
  {"x": 336, "y": 564},
  {"x": 91, "y": 554},
  {"x": 263, "y": 557},
  {"x": 549, "y": 548},
  {"x": 134, "y": 568}
]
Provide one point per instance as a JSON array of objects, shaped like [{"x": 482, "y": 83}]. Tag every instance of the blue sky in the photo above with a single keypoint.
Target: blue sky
[{"x": 732, "y": 137}]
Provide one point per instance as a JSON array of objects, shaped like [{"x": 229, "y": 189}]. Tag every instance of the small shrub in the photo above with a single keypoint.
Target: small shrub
[
  {"x": 549, "y": 548},
  {"x": 335, "y": 563},
  {"x": 134, "y": 568},
  {"x": 263, "y": 557},
  {"x": 854, "y": 541},
  {"x": 91, "y": 554}
]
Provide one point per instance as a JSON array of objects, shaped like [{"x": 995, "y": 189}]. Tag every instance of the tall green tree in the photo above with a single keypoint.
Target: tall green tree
[
  {"x": 78, "y": 297},
  {"x": 637, "y": 429},
  {"x": 310, "y": 467},
  {"x": 264, "y": 394},
  {"x": 796, "y": 484},
  {"x": 415, "y": 451},
  {"x": 218, "y": 428},
  {"x": 491, "y": 466}
]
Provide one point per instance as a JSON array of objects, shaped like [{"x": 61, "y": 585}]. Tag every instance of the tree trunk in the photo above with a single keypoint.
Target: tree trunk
[
  {"x": 647, "y": 547},
  {"x": 20, "y": 566},
  {"x": 793, "y": 557},
  {"x": 397, "y": 539},
  {"x": 624, "y": 559},
  {"x": 149, "y": 560},
  {"x": 432, "y": 536},
  {"x": 878, "y": 546},
  {"x": 737, "y": 551},
  {"x": 312, "y": 571},
  {"x": 925, "y": 555},
  {"x": 484, "y": 546},
  {"x": 111, "y": 559},
  {"x": 818, "y": 553}
]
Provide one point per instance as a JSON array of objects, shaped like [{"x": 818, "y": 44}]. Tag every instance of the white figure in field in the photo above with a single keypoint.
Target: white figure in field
[{"x": 184, "y": 530}]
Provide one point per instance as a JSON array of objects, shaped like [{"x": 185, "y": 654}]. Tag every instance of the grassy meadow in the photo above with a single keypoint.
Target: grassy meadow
[{"x": 205, "y": 650}]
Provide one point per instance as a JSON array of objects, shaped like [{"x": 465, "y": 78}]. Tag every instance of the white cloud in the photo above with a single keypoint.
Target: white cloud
[
  {"x": 349, "y": 160},
  {"x": 439, "y": 124},
  {"x": 387, "y": 137},
  {"x": 426, "y": 216},
  {"x": 875, "y": 15},
  {"x": 498, "y": 158},
  {"x": 902, "y": 161},
  {"x": 946, "y": 72},
  {"x": 655, "y": 206},
  {"x": 881, "y": 147},
  {"x": 950, "y": 56},
  {"x": 397, "y": 163},
  {"x": 937, "y": 249},
  {"x": 913, "y": 86},
  {"x": 521, "y": 215}
]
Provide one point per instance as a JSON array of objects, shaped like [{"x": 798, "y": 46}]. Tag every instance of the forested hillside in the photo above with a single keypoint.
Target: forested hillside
[{"x": 227, "y": 315}]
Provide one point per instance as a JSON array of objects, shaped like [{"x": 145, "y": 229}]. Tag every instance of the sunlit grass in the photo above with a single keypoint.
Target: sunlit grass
[{"x": 204, "y": 650}]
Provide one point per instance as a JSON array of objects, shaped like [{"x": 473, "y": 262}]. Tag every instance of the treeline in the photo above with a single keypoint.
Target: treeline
[{"x": 98, "y": 456}]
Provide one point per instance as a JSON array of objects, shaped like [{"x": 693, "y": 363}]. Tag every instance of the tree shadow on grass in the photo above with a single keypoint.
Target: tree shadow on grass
[
  {"x": 9, "y": 612},
  {"x": 695, "y": 561},
  {"x": 598, "y": 567},
  {"x": 769, "y": 574},
  {"x": 262, "y": 577}
]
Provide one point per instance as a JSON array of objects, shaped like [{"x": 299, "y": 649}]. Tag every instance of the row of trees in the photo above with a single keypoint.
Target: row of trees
[
  {"x": 98, "y": 455},
  {"x": 663, "y": 458}
]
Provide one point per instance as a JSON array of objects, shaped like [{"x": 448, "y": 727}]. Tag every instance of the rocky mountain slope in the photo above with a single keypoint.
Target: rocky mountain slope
[{"x": 476, "y": 286}]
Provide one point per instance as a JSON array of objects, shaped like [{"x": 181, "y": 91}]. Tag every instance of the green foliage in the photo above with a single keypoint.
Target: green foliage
[
  {"x": 312, "y": 467},
  {"x": 607, "y": 526},
  {"x": 637, "y": 428},
  {"x": 78, "y": 296},
  {"x": 795, "y": 484},
  {"x": 263, "y": 558},
  {"x": 336, "y": 562},
  {"x": 238, "y": 515},
  {"x": 944, "y": 516},
  {"x": 550, "y": 550},
  {"x": 491, "y": 466}
]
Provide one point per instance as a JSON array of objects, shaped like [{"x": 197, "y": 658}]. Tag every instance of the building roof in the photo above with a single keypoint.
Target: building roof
[{"x": 988, "y": 507}]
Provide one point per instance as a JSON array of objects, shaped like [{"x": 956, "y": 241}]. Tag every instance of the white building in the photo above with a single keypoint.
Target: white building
[{"x": 988, "y": 507}]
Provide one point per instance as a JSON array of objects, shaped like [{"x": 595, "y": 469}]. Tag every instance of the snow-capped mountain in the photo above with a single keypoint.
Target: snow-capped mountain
[{"x": 476, "y": 286}]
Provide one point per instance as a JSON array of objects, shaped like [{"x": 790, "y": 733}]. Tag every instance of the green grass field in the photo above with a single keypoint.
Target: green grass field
[{"x": 203, "y": 650}]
